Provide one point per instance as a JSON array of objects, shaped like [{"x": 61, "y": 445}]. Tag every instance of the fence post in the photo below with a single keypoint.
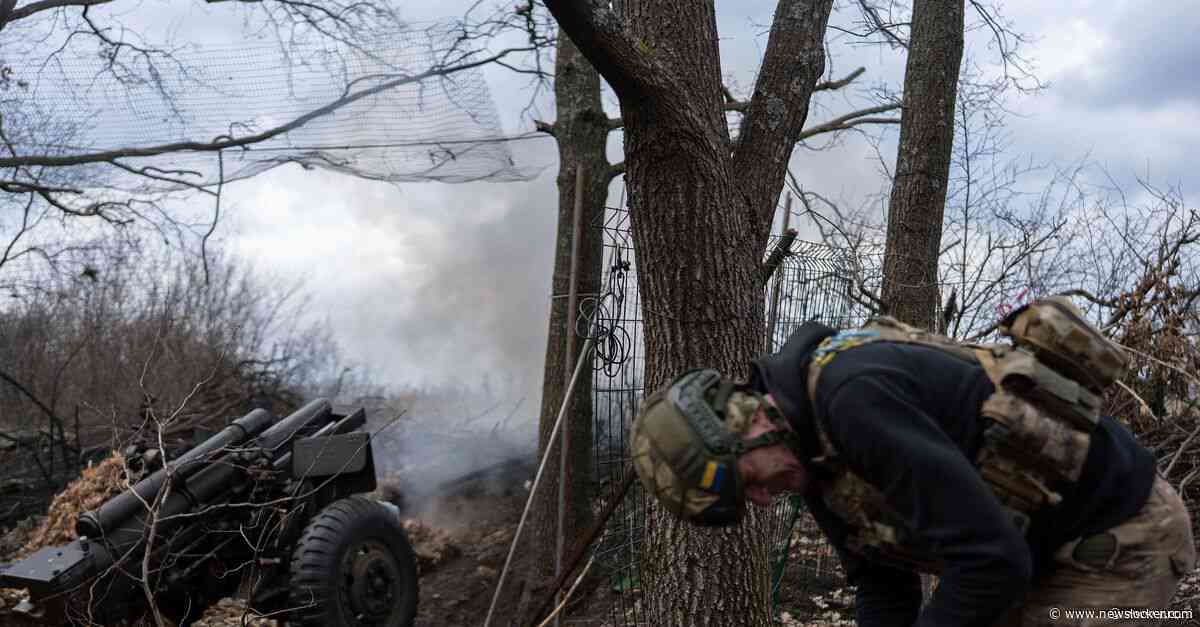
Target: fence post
[{"x": 773, "y": 313}]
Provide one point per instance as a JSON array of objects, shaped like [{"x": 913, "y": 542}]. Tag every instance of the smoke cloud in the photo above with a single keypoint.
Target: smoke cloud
[{"x": 426, "y": 285}]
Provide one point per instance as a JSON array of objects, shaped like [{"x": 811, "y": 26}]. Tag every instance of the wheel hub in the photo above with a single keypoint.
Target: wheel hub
[{"x": 371, "y": 582}]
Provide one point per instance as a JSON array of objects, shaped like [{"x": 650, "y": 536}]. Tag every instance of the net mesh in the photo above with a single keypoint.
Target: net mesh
[{"x": 431, "y": 127}]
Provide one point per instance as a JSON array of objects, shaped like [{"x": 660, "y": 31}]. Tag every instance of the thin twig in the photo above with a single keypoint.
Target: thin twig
[
  {"x": 567, "y": 597},
  {"x": 1179, "y": 452},
  {"x": 1145, "y": 405}
]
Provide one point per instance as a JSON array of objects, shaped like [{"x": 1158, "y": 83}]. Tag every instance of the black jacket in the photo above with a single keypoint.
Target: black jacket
[{"x": 906, "y": 418}]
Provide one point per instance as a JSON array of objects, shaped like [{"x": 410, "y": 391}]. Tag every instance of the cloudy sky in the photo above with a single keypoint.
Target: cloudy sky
[{"x": 433, "y": 283}]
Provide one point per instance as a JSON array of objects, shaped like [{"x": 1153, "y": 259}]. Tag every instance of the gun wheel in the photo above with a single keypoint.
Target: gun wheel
[{"x": 354, "y": 567}]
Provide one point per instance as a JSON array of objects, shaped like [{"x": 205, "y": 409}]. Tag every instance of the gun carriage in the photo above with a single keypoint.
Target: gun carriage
[{"x": 268, "y": 509}]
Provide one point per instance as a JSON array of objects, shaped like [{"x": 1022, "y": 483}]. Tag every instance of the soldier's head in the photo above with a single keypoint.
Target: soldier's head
[{"x": 702, "y": 444}]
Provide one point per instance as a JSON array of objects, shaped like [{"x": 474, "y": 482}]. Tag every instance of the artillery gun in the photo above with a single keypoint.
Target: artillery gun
[{"x": 265, "y": 509}]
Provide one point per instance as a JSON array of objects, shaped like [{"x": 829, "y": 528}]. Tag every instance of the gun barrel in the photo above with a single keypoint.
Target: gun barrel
[
  {"x": 351, "y": 422},
  {"x": 310, "y": 417},
  {"x": 113, "y": 512}
]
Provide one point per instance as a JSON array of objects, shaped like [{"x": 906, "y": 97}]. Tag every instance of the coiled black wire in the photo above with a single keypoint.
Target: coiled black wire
[{"x": 599, "y": 319}]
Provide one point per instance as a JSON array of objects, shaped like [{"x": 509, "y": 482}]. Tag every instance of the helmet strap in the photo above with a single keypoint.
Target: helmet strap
[
  {"x": 721, "y": 397},
  {"x": 783, "y": 434},
  {"x": 741, "y": 447}
]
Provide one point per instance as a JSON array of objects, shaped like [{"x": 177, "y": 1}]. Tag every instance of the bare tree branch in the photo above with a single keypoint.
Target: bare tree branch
[
  {"x": 879, "y": 25},
  {"x": 850, "y": 120},
  {"x": 628, "y": 66},
  {"x": 6, "y": 10},
  {"x": 38, "y": 7},
  {"x": 733, "y": 104},
  {"x": 841, "y": 82},
  {"x": 615, "y": 170}
]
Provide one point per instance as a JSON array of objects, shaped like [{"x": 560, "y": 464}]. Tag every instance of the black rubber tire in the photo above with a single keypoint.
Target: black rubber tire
[{"x": 327, "y": 580}]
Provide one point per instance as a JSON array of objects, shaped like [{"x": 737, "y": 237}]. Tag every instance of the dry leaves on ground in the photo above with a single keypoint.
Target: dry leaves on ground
[
  {"x": 432, "y": 545},
  {"x": 10, "y": 597},
  {"x": 229, "y": 613},
  {"x": 15, "y": 539},
  {"x": 94, "y": 486}
]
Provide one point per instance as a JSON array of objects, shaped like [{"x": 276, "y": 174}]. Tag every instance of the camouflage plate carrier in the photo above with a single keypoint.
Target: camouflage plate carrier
[{"x": 1049, "y": 383}]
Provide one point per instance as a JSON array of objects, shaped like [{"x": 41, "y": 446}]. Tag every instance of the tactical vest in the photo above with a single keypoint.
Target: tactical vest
[{"x": 1049, "y": 384}]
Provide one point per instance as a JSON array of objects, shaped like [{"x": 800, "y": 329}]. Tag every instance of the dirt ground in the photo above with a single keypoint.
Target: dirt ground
[
  {"x": 813, "y": 589},
  {"x": 457, "y": 590}
]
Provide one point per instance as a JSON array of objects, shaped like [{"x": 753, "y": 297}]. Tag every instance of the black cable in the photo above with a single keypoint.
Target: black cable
[{"x": 599, "y": 319}]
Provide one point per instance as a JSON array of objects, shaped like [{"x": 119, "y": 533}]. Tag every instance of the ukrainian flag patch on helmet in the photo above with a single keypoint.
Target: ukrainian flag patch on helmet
[{"x": 714, "y": 476}]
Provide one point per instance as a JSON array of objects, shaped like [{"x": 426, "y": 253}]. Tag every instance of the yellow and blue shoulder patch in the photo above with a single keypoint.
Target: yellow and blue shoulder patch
[
  {"x": 841, "y": 341},
  {"x": 714, "y": 476}
]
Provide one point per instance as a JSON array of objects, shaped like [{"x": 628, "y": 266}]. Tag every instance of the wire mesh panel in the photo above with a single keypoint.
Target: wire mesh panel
[
  {"x": 616, "y": 390},
  {"x": 811, "y": 283}
]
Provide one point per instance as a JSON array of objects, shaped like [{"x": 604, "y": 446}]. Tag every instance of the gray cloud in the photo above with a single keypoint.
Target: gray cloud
[{"x": 1146, "y": 57}]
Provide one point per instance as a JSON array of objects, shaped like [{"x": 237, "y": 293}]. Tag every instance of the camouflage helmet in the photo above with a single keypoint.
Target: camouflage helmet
[{"x": 686, "y": 440}]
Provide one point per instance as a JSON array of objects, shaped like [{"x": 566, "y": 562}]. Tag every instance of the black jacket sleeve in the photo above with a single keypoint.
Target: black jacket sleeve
[
  {"x": 887, "y": 597},
  {"x": 875, "y": 419}
]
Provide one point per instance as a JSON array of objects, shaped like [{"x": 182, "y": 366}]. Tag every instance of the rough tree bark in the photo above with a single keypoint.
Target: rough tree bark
[
  {"x": 914, "y": 232},
  {"x": 581, "y": 131},
  {"x": 700, "y": 210}
]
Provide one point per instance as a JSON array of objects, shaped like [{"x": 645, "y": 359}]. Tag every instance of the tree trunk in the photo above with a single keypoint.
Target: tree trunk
[
  {"x": 581, "y": 130},
  {"x": 697, "y": 256},
  {"x": 914, "y": 233},
  {"x": 700, "y": 211}
]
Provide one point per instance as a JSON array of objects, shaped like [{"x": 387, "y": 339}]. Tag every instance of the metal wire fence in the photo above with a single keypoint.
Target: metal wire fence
[{"x": 811, "y": 283}]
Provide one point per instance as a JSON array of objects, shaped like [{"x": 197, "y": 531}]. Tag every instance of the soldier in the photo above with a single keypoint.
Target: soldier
[{"x": 917, "y": 454}]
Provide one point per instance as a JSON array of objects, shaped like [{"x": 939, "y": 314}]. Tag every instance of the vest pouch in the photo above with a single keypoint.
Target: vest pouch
[
  {"x": 1024, "y": 432},
  {"x": 1021, "y": 372},
  {"x": 1014, "y": 484},
  {"x": 1054, "y": 329}
]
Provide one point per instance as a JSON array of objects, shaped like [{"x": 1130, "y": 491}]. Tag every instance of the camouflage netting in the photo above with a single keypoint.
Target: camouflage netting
[{"x": 440, "y": 127}]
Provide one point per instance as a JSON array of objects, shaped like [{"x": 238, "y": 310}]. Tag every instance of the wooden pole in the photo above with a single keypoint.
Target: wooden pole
[
  {"x": 585, "y": 542},
  {"x": 565, "y": 435},
  {"x": 537, "y": 481}
]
